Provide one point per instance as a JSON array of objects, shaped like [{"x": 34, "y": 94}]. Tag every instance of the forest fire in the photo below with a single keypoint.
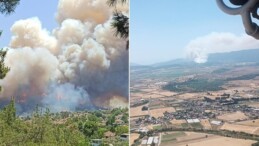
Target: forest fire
[{"x": 70, "y": 66}]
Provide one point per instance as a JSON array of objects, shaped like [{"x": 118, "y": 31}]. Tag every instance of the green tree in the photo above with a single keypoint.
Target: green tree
[
  {"x": 8, "y": 6},
  {"x": 121, "y": 129},
  {"x": 115, "y": 2},
  {"x": 10, "y": 112},
  {"x": 90, "y": 128},
  {"x": 125, "y": 118},
  {"x": 110, "y": 120},
  {"x": 120, "y": 21},
  {"x": 93, "y": 118},
  {"x": 3, "y": 68}
]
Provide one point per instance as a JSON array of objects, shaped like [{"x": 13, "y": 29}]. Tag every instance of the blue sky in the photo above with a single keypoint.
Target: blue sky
[
  {"x": 160, "y": 30},
  {"x": 43, "y": 9}
]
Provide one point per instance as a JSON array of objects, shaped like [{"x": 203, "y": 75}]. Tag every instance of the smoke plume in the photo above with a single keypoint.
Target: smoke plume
[
  {"x": 199, "y": 48},
  {"x": 80, "y": 64}
]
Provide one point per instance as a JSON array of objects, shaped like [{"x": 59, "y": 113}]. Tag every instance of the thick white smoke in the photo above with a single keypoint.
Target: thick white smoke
[
  {"x": 94, "y": 11},
  {"x": 29, "y": 33},
  {"x": 67, "y": 98},
  {"x": 199, "y": 48},
  {"x": 68, "y": 68},
  {"x": 31, "y": 69}
]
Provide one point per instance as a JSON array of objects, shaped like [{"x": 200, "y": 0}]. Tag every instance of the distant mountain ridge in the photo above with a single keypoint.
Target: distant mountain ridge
[{"x": 251, "y": 55}]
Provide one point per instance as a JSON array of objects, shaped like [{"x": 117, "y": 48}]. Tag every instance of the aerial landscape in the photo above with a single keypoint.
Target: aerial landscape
[
  {"x": 184, "y": 103},
  {"x": 194, "y": 73}
]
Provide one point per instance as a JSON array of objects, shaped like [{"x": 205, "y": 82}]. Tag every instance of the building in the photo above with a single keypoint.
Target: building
[
  {"x": 124, "y": 137},
  {"x": 216, "y": 122},
  {"x": 96, "y": 142}
]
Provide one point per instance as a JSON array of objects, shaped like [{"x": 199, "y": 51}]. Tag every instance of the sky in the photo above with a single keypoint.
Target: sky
[
  {"x": 161, "y": 30},
  {"x": 158, "y": 31},
  {"x": 28, "y": 9}
]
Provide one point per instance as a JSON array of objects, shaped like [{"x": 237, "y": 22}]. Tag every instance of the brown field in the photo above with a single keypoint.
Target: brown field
[
  {"x": 160, "y": 112},
  {"x": 153, "y": 95},
  {"x": 253, "y": 104},
  {"x": 219, "y": 141},
  {"x": 133, "y": 136},
  {"x": 164, "y": 93},
  {"x": 253, "y": 123},
  {"x": 233, "y": 116},
  {"x": 137, "y": 94},
  {"x": 137, "y": 111},
  {"x": 177, "y": 122},
  {"x": 188, "y": 96},
  {"x": 205, "y": 123},
  {"x": 199, "y": 139},
  {"x": 192, "y": 136},
  {"x": 144, "y": 95},
  {"x": 148, "y": 90},
  {"x": 242, "y": 128},
  {"x": 151, "y": 127}
]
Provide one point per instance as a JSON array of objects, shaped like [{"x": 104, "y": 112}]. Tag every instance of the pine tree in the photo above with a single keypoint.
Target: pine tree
[{"x": 10, "y": 112}]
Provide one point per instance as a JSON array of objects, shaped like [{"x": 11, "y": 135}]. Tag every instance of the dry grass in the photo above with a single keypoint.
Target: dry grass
[
  {"x": 160, "y": 112},
  {"x": 253, "y": 104},
  {"x": 177, "y": 122},
  {"x": 220, "y": 141},
  {"x": 205, "y": 123},
  {"x": 189, "y": 96},
  {"x": 253, "y": 123},
  {"x": 233, "y": 116},
  {"x": 137, "y": 112},
  {"x": 164, "y": 93},
  {"x": 144, "y": 95},
  {"x": 242, "y": 128},
  {"x": 133, "y": 136},
  {"x": 199, "y": 139}
]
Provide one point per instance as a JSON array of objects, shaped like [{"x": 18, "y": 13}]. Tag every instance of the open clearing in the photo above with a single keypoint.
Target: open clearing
[
  {"x": 171, "y": 137},
  {"x": 242, "y": 128},
  {"x": 219, "y": 141},
  {"x": 133, "y": 136},
  {"x": 137, "y": 112},
  {"x": 253, "y": 123},
  {"x": 160, "y": 112},
  {"x": 205, "y": 123},
  {"x": 164, "y": 93},
  {"x": 233, "y": 116},
  {"x": 177, "y": 122}
]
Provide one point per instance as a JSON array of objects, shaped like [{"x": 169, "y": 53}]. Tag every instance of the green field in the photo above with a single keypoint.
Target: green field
[
  {"x": 196, "y": 125},
  {"x": 195, "y": 85},
  {"x": 172, "y": 136}
]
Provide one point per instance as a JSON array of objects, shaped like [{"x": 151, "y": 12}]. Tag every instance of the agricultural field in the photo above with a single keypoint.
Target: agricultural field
[
  {"x": 233, "y": 116},
  {"x": 240, "y": 128},
  {"x": 200, "y": 139},
  {"x": 159, "y": 112},
  {"x": 133, "y": 137},
  {"x": 137, "y": 111},
  {"x": 225, "y": 94},
  {"x": 253, "y": 123}
]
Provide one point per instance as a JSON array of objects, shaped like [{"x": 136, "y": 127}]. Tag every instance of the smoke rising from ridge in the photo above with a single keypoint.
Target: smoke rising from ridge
[
  {"x": 71, "y": 67},
  {"x": 199, "y": 48}
]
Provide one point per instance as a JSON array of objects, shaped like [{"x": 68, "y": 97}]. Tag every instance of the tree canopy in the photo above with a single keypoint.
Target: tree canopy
[
  {"x": 8, "y": 6},
  {"x": 120, "y": 21}
]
